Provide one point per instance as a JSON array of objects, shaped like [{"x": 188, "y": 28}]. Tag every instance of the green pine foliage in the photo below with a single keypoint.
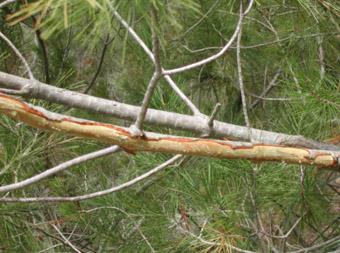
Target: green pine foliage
[{"x": 197, "y": 204}]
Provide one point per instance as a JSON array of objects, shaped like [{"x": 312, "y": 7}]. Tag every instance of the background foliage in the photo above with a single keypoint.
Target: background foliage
[{"x": 198, "y": 204}]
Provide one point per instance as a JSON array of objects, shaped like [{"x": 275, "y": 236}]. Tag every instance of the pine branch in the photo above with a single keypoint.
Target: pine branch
[
  {"x": 153, "y": 142},
  {"x": 198, "y": 125}
]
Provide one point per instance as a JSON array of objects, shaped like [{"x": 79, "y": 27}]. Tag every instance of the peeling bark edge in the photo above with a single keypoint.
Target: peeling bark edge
[
  {"x": 194, "y": 124},
  {"x": 41, "y": 118}
]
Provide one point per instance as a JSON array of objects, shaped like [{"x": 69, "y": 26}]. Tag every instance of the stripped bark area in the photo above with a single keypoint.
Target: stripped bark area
[
  {"x": 193, "y": 124},
  {"x": 41, "y": 118}
]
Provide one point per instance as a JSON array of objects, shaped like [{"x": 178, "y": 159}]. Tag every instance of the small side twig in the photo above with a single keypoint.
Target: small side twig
[
  {"x": 137, "y": 127},
  {"x": 220, "y": 53},
  {"x": 3, "y": 4},
  {"x": 267, "y": 89},
  {"x": 67, "y": 242},
  {"x": 65, "y": 52},
  {"x": 106, "y": 44},
  {"x": 172, "y": 84},
  {"x": 213, "y": 115},
  {"x": 59, "y": 168},
  {"x": 43, "y": 53},
  {"x": 201, "y": 19},
  {"x": 209, "y": 128},
  {"x": 240, "y": 77},
  {"x": 318, "y": 246},
  {"x": 151, "y": 181},
  {"x": 95, "y": 194},
  {"x": 321, "y": 58},
  {"x": 16, "y": 51},
  {"x": 53, "y": 236}
]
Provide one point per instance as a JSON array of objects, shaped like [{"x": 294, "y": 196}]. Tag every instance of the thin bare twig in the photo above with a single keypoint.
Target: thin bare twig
[
  {"x": 59, "y": 168},
  {"x": 65, "y": 52},
  {"x": 151, "y": 181},
  {"x": 220, "y": 53},
  {"x": 274, "y": 99},
  {"x": 267, "y": 89},
  {"x": 288, "y": 233},
  {"x": 3, "y": 4},
  {"x": 213, "y": 115},
  {"x": 16, "y": 51},
  {"x": 321, "y": 58},
  {"x": 137, "y": 127},
  {"x": 173, "y": 85},
  {"x": 51, "y": 247},
  {"x": 53, "y": 236},
  {"x": 129, "y": 216},
  {"x": 43, "y": 53},
  {"x": 67, "y": 242},
  {"x": 261, "y": 44},
  {"x": 106, "y": 44},
  {"x": 95, "y": 194},
  {"x": 318, "y": 246},
  {"x": 240, "y": 76},
  {"x": 201, "y": 19}
]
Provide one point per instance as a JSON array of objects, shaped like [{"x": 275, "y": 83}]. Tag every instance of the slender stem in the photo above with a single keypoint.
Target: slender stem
[
  {"x": 106, "y": 44},
  {"x": 287, "y": 234},
  {"x": 267, "y": 89},
  {"x": 16, "y": 51},
  {"x": 317, "y": 246},
  {"x": 43, "y": 53},
  {"x": 3, "y": 4},
  {"x": 151, "y": 181},
  {"x": 213, "y": 115},
  {"x": 173, "y": 85},
  {"x": 59, "y": 168},
  {"x": 147, "y": 98},
  {"x": 65, "y": 51},
  {"x": 201, "y": 19},
  {"x": 186, "y": 100},
  {"x": 53, "y": 236},
  {"x": 95, "y": 194},
  {"x": 67, "y": 242},
  {"x": 220, "y": 53},
  {"x": 155, "y": 78},
  {"x": 240, "y": 78},
  {"x": 155, "y": 42}
]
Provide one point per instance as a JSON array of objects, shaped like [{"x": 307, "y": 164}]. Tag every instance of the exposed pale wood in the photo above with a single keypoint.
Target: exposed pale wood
[
  {"x": 41, "y": 118},
  {"x": 194, "y": 124}
]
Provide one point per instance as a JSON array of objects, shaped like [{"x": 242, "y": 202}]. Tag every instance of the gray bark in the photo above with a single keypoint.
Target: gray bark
[{"x": 194, "y": 124}]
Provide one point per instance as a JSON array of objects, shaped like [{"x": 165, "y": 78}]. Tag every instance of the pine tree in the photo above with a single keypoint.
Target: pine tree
[{"x": 224, "y": 117}]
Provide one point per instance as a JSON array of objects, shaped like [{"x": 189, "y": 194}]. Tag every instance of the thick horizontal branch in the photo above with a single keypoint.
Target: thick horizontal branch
[
  {"x": 41, "y": 118},
  {"x": 194, "y": 124}
]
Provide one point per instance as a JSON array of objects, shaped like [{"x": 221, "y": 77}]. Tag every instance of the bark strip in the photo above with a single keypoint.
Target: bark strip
[
  {"x": 41, "y": 118},
  {"x": 193, "y": 124}
]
